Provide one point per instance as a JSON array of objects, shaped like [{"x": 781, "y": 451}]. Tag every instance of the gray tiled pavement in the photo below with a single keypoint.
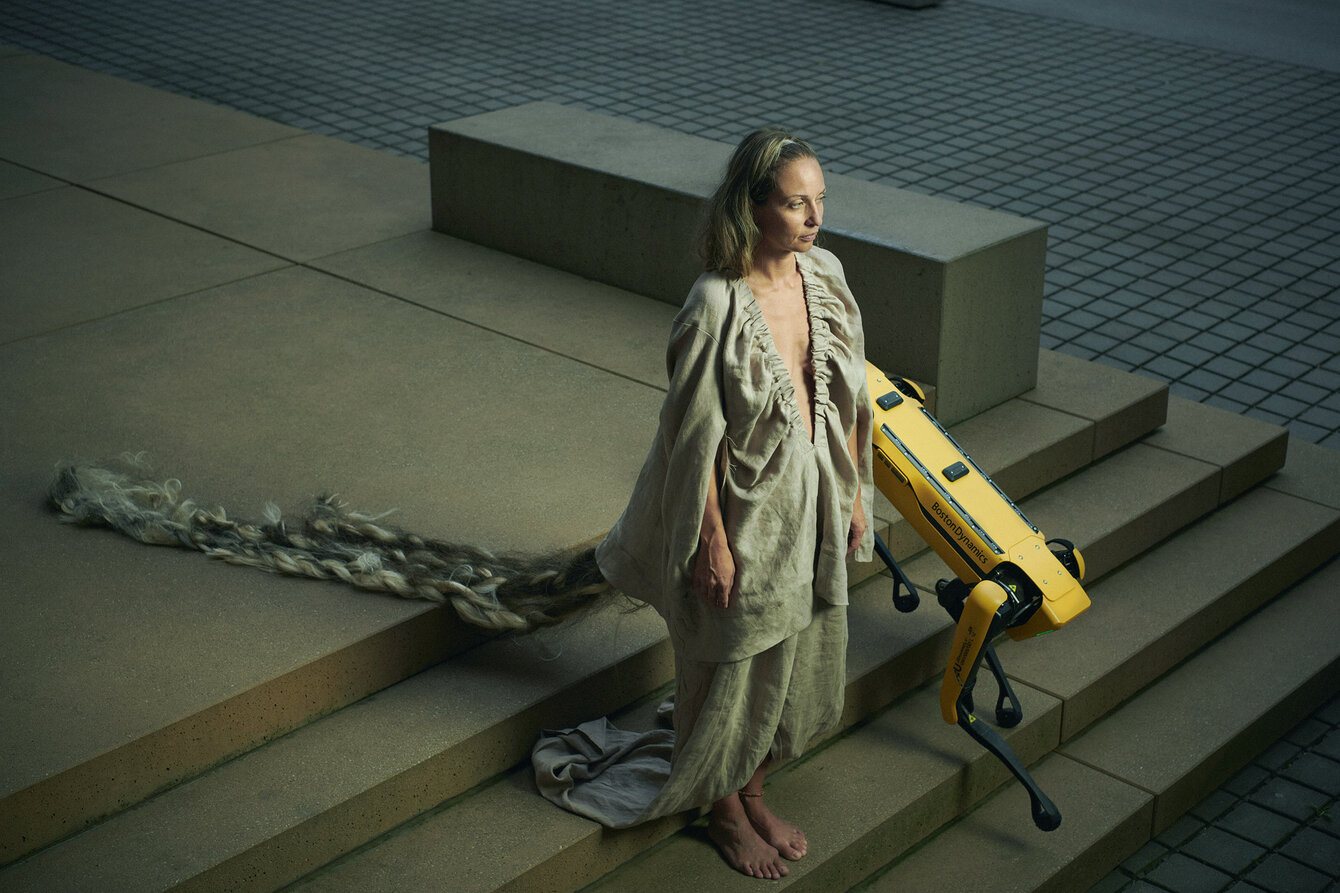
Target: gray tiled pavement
[
  {"x": 1193, "y": 197},
  {"x": 1193, "y": 194}
]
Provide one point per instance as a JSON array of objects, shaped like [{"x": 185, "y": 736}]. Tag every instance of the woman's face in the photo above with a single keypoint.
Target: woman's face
[{"x": 790, "y": 218}]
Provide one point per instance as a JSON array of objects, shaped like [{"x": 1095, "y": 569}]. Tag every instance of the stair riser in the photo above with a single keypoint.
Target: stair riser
[{"x": 84, "y": 795}]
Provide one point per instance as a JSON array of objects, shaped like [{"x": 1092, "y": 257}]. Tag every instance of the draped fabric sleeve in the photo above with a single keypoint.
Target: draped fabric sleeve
[
  {"x": 649, "y": 552},
  {"x": 692, "y": 426}
]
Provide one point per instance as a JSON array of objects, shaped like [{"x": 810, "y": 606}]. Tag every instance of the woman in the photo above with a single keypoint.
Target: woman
[{"x": 756, "y": 489}]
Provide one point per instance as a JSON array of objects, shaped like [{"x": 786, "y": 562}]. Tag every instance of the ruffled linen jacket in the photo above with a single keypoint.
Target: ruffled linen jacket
[{"x": 786, "y": 502}]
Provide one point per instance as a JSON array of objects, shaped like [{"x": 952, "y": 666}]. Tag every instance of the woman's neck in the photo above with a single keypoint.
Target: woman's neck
[{"x": 774, "y": 270}]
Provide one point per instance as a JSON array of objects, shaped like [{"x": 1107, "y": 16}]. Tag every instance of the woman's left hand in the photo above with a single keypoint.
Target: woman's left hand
[{"x": 856, "y": 532}]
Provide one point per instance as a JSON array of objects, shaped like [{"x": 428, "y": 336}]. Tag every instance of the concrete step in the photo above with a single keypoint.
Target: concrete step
[
  {"x": 1138, "y": 771},
  {"x": 1177, "y": 597},
  {"x": 1105, "y": 819},
  {"x": 1185, "y": 735},
  {"x": 883, "y": 669},
  {"x": 907, "y": 755},
  {"x": 266, "y": 818},
  {"x": 864, "y": 798},
  {"x": 889, "y": 654},
  {"x": 1153, "y": 758}
]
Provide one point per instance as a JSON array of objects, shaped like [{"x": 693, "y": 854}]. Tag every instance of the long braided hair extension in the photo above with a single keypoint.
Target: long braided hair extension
[{"x": 328, "y": 541}]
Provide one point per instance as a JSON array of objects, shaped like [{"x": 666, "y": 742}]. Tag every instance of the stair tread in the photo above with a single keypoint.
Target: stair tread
[
  {"x": 1105, "y": 820},
  {"x": 1122, "y": 406},
  {"x": 1247, "y": 449}
]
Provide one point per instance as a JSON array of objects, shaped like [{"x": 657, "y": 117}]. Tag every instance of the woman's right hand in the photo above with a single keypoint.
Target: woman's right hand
[{"x": 714, "y": 569}]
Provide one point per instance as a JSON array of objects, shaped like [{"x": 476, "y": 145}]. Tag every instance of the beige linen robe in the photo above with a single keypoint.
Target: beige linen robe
[
  {"x": 787, "y": 503},
  {"x": 764, "y": 676}
]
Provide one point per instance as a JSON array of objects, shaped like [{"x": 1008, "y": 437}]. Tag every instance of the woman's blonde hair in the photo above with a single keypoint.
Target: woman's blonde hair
[{"x": 728, "y": 236}]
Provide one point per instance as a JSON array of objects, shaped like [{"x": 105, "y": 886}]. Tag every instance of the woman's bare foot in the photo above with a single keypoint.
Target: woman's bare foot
[
  {"x": 747, "y": 852},
  {"x": 786, "y": 838}
]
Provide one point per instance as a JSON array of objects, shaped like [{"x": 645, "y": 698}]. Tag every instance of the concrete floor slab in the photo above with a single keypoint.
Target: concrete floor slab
[
  {"x": 15, "y": 180},
  {"x": 1299, "y": 32},
  {"x": 53, "y": 112},
  {"x": 591, "y": 322},
  {"x": 281, "y": 386},
  {"x": 71, "y": 256},
  {"x": 292, "y": 383},
  {"x": 299, "y": 198}
]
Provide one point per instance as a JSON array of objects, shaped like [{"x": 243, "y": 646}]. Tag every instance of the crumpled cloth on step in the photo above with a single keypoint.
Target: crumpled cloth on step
[{"x": 729, "y": 718}]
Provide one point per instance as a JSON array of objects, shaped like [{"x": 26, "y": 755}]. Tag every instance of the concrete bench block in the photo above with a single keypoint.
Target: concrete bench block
[{"x": 951, "y": 294}]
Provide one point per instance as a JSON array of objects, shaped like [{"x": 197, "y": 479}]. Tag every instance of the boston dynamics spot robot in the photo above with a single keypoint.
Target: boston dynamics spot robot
[{"x": 1009, "y": 578}]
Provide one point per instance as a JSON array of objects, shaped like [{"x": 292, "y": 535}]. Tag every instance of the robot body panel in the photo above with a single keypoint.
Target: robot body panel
[{"x": 959, "y": 511}]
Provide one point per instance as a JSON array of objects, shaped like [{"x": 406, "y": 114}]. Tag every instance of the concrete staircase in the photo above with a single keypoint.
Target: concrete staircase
[
  {"x": 260, "y": 733},
  {"x": 898, "y": 773},
  {"x": 1136, "y": 710}
]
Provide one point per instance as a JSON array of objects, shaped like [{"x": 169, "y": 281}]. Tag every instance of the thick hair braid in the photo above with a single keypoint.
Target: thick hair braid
[{"x": 331, "y": 542}]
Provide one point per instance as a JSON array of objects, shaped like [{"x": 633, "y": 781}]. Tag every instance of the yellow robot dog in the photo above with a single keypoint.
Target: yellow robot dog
[{"x": 1008, "y": 577}]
